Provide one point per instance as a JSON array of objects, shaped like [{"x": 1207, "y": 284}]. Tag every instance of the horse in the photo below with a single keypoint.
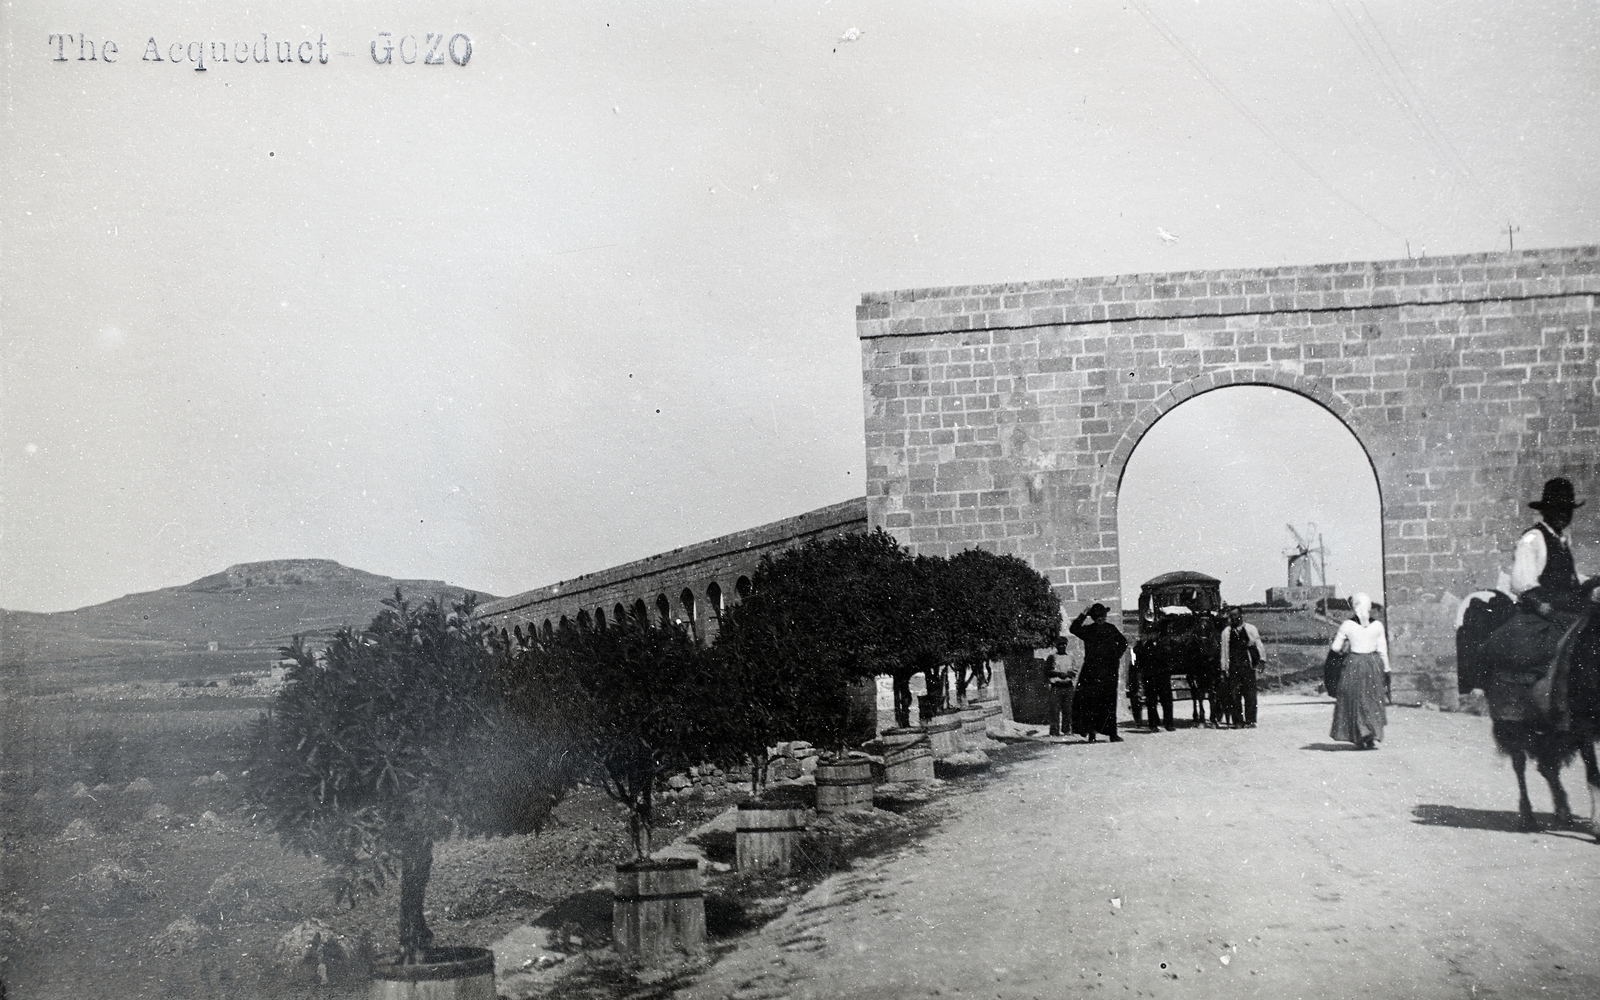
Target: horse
[
  {"x": 1178, "y": 646},
  {"x": 1544, "y": 702}
]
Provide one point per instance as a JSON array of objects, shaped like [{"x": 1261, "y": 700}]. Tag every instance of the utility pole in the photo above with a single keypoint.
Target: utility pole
[{"x": 1511, "y": 238}]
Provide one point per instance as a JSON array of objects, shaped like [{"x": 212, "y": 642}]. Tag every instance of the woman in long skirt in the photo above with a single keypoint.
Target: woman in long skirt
[{"x": 1358, "y": 714}]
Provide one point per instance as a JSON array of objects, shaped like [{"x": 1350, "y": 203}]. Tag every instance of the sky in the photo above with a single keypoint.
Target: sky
[
  {"x": 1231, "y": 481},
  {"x": 590, "y": 295}
]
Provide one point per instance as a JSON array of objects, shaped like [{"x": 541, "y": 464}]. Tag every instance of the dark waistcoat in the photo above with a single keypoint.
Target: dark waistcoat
[
  {"x": 1560, "y": 574},
  {"x": 1238, "y": 646}
]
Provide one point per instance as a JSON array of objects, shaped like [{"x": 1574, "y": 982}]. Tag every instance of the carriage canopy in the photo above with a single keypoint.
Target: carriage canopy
[{"x": 1199, "y": 593}]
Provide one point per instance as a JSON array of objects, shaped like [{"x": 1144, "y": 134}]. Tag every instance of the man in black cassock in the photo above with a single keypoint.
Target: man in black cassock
[{"x": 1094, "y": 706}]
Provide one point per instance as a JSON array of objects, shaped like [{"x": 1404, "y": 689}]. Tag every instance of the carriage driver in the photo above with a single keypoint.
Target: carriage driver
[{"x": 1544, "y": 577}]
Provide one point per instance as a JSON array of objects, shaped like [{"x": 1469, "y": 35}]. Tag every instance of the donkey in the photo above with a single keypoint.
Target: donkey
[{"x": 1551, "y": 712}]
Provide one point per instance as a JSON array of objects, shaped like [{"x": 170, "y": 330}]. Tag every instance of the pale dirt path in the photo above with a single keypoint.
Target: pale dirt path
[{"x": 1335, "y": 874}]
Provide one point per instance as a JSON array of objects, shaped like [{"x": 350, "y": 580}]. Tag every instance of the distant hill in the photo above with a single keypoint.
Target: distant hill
[{"x": 248, "y": 610}]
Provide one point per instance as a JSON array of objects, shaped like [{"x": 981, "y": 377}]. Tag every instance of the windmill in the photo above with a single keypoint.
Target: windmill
[{"x": 1308, "y": 560}]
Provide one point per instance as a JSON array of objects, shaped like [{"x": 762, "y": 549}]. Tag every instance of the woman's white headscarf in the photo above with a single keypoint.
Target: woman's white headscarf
[{"x": 1361, "y": 604}]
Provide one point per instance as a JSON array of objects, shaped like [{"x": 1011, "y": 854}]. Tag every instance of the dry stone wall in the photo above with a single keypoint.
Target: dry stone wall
[{"x": 1002, "y": 416}]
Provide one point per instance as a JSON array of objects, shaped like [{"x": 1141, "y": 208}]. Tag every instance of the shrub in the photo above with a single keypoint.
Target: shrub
[
  {"x": 990, "y": 604},
  {"x": 401, "y": 735}
]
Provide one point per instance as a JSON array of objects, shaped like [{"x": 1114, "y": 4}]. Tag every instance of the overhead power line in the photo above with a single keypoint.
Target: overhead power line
[{"x": 1171, "y": 38}]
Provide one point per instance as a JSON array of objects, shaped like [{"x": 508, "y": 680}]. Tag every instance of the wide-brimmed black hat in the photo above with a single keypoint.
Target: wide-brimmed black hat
[
  {"x": 1097, "y": 610},
  {"x": 1558, "y": 492}
]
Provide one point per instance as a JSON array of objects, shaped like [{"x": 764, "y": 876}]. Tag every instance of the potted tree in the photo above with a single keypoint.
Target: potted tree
[
  {"x": 645, "y": 699},
  {"x": 825, "y": 618},
  {"x": 399, "y": 736}
]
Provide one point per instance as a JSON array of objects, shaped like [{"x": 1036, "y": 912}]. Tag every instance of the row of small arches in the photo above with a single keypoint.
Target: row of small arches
[{"x": 699, "y": 613}]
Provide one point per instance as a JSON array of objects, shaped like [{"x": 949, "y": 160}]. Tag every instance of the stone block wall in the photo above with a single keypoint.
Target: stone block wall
[{"x": 1002, "y": 416}]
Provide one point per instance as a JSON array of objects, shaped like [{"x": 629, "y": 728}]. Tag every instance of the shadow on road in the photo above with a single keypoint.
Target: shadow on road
[
  {"x": 1329, "y": 747},
  {"x": 1502, "y": 820},
  {"x": 1499, "y": 820}
]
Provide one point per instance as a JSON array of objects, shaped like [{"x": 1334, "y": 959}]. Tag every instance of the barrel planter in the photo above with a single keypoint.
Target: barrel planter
[
  {"x": 659, "y": 909},
  {"x": 974, "y": 730},
  {"x": 447, "y": 974},
  {"x": 907, "y": 755},
  {"x": 942, "y": 730},
  {"x": 994, "y": 719},
  {"x": 767, "y": 835},
  {"x": 844, "y": 785}
]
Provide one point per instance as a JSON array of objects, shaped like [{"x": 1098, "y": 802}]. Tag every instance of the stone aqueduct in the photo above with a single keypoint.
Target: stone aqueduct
[
  {"x": 1003, "y": 416},
  {"x": 690, "y": 585}
]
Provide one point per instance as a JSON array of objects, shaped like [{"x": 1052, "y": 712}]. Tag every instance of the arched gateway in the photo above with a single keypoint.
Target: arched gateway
[{"x": 1003, "y": 415}]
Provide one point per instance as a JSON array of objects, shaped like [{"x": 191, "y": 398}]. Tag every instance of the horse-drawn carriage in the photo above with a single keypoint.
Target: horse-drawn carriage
[{"x": 1180, "y": 617}]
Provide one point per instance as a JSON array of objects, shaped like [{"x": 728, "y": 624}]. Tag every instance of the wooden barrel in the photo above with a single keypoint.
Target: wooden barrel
[
  {"x": 767, "y": 835},
  {"x": 844, "y": 786},
  {"x": 994, "y": 719},
  {"x": 900, "y": 737},
  {"x": 907, "y": 756},
  {"x": 659, "y": 909},
  {"x": 973, "y": 727},
  {"x": 942, "y": 734},
  {"x": 448, "y": 974}
]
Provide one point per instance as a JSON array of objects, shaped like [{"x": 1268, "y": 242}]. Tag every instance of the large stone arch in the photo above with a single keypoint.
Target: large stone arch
[
  {"x": 1316, "y": 390},
  {"x": 1003, "y": 416}
]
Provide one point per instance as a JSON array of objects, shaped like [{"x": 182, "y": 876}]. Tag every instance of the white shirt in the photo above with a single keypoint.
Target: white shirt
[
  {"x": 1368, "y": 638},
  {"x": 1528, "y": 561}
]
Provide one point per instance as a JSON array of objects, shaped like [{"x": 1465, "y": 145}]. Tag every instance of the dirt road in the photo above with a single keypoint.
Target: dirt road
[{"x": 1253, "y": 863}]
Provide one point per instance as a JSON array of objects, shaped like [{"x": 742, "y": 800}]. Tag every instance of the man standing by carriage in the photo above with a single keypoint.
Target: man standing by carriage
[{"x": 1241, "y": 652}]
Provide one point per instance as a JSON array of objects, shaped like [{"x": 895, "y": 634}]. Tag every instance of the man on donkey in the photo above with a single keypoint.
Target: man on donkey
[
  {"x": 1550, "y": 597},
  {"x": 1544, "y": 576},
  {"x": 1537, "y": 664}
]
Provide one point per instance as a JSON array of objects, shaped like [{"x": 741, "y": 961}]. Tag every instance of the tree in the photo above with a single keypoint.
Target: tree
[
  {"x": 401, "y": 735},
  {"x": 822, "y": 615},
  {"x": 642, "y": 699},
  {"x": 992, "y": 603},
  {"x": 760, "y": 705}
]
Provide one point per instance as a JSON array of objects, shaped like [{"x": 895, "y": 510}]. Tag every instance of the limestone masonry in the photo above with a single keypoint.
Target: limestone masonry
[{"x": 1003, "y": 415}]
